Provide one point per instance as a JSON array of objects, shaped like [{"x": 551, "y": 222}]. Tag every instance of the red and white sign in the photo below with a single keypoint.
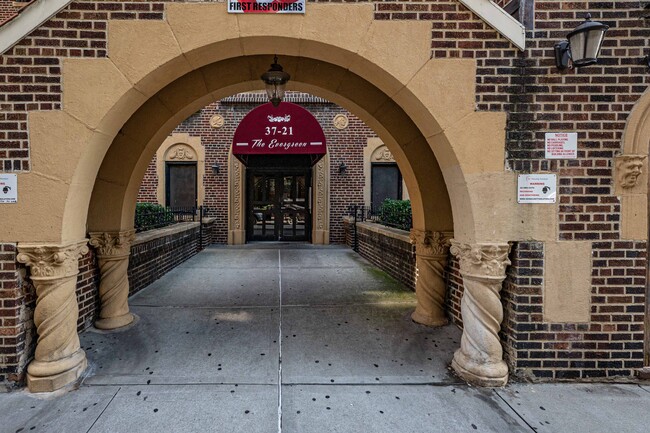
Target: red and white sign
[
  {"x": 287, "y": 129},
  {"x": 561, "y": 145},
  {"x": 266, "y": 6}
]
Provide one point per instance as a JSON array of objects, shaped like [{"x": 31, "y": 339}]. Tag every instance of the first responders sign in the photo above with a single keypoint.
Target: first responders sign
[{"x": 266, "y": 6}]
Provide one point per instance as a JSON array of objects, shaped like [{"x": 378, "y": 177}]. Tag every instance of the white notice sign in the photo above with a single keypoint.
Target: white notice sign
[
  {"x": 561, "y": 145},
  {"x": 8, "y": 188},
  {"x": 536, "y": 188}
]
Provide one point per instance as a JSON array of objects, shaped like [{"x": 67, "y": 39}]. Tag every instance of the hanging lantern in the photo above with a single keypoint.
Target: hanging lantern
[{"x": 275, "y": 80}]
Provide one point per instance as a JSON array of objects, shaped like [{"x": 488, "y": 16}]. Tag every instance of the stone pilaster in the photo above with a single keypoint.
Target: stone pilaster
[
  {"x": 480, "y": 357},
  {"x": 431, "y": 252},
  {"x": 113, "y": 250},
  {"x": 59, "y": 359}
]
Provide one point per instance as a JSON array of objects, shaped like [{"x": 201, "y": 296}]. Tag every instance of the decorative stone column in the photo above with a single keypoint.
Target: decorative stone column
[
  {"x": 480, "y": 358},
  {"x": 113, "y": 250},
  {"x": 431, "y": 252},
  {"x": 59, "y": 359}
]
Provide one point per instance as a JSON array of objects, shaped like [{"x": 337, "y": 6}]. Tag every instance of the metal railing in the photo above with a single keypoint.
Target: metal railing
[
  {"x": 376, "y": 214},
  {"x": 155, "y": 219}
]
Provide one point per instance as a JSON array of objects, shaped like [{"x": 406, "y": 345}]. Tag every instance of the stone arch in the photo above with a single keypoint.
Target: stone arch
[
  {"x": 181, "y": 147},
  {"x": 90, "y": 157},
  {"x": 631, "y": 172},
  {"x": 201, "y": 54}
]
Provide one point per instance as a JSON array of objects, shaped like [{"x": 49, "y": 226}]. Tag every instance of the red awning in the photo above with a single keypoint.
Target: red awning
[{"x": 287, "y": 129}]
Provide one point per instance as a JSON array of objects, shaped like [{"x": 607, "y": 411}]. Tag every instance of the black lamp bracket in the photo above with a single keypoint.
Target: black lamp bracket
[{"x": 563, "y": 55}]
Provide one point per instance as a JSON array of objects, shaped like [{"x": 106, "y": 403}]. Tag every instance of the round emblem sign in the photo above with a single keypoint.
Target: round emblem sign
[
  {"x": 217, "y": 121},
  {"x": 340, "y": 121}
]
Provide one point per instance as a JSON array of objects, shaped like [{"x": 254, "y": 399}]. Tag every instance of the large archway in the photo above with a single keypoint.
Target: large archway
[
  {"x": 90, "y": 157},
  {"x": 632, "y": 185}
]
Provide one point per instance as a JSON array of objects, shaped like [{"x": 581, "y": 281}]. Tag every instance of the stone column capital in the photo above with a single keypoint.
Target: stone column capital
[
  {"x": 113, "y": 244},
  {"x": 430, "y": 244},
  {"x": 52, "y": 261},
  {"x": 483, "y": 259}
]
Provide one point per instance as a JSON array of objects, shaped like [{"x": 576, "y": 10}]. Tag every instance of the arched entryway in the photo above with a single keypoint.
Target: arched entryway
[
  {"x": 90, "y": 157},
  {"x": 631, "y": 177}
]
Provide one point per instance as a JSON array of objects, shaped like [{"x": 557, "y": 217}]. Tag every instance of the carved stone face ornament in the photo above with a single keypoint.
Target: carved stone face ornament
[{"x": 629, "y": 168}]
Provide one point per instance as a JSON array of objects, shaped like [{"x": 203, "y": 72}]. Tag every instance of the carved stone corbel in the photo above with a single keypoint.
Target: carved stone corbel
[
  {"x": 431, "y": 252},
  {"x": 113, "y": 250},
  {"x": 480, "y": 357},
  {"x": 628, "y": 170},
  {"x": 59, "y": 359}
]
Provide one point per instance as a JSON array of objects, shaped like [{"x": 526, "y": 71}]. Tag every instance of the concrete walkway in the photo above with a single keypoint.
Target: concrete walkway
[{"x": 299, "y": 339}]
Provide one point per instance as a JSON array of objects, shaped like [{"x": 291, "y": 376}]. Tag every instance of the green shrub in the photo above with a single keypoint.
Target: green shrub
[
  {"x": 396, "y": 213},
  {"x": 151, "y": 215}
]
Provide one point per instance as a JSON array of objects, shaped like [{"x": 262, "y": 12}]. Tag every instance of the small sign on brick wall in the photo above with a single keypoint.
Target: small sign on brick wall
[
  {"x": 561, "y": 145},
  {"x": 536, "y": 188},
  {"x": 8, "y": 188},
  {"x": 266, "y": 6}
]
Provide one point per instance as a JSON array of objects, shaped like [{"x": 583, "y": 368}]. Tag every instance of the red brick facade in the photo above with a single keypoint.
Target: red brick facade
[
  {"x": 343, "y": 146},
  {"x": 594, "y": 101}
]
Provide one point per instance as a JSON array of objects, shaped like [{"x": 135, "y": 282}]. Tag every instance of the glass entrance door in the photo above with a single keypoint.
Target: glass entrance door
[{"x": 278, "y": 206}]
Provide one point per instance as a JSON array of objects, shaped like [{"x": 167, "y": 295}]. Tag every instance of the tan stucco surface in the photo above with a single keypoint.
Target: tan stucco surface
[{"x": 567, "y": 282}]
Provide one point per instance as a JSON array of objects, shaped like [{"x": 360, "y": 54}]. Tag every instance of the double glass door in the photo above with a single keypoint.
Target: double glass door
[{"x": 278, "y": 205}]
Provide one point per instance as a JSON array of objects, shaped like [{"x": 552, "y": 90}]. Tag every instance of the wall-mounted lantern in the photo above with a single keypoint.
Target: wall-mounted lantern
[
  {"x": 582, "y": 45},
  {"x": 342, "y": 168},
  {"x": 216, "y": 168},
  {"x": 275, "y": 80}
]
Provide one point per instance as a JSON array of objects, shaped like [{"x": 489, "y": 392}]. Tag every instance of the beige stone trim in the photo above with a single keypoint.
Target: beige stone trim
[
  {"x": 631, "y": 174},
  {"x": 567, "y": 282},
  {"x": 29, "y": 19},
  {"x": 499, "y": 20},
  {"x": 630, "y": 185},
  {"x": 321, "y": 202},
  {"x": 376, "y": 151},
  {"x": 480, "y": 357},
  {"x": 59, "y": 359},
  {"x": 432, "y": 250},
  {"x": 113, "y": 250},
  {"x": 181, "y": 148},
  {"x": 236, "y": 201}
]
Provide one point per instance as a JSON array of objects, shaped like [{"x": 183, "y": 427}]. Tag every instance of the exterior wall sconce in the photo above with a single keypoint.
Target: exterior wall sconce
[
  {"x": 582, "y": 45},
  {"x": 275, "y": 80},
  {"x": 216, "y": 168},
  {"x": 342, "y": 168}
]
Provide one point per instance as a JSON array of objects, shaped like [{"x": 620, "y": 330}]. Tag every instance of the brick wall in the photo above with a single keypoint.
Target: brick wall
[
  {"x": 343, "y": 145},
  {"x": 153, "y": 258},
  {"x": 17, "y": 302},
  {"x": 454, "y": 291},
  {"x": 88, "y": 290},
  {"x": 387, "y": 248},
  {"x": 610, "y": 345},
  {"x": 593, "y": 101}
]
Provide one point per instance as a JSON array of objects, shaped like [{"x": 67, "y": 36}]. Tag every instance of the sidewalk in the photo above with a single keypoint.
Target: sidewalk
[{"x": 304, "y": 339}]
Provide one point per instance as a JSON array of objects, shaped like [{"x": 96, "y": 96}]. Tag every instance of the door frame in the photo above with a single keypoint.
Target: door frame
[{"x": 279, "y": 173}]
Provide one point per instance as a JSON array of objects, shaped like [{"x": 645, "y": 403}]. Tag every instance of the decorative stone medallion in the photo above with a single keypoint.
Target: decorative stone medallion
[
  {"x": 217, "y": 121},
  {"x": 340, "y": 121}
]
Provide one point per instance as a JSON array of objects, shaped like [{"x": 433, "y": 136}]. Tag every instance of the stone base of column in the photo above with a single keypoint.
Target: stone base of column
[
  {"x": 49, "y": 376},
  {"x": 433, "y": 321},
  {"x": 480, "y": 374},
  {"x": 110, "y": 323}
]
